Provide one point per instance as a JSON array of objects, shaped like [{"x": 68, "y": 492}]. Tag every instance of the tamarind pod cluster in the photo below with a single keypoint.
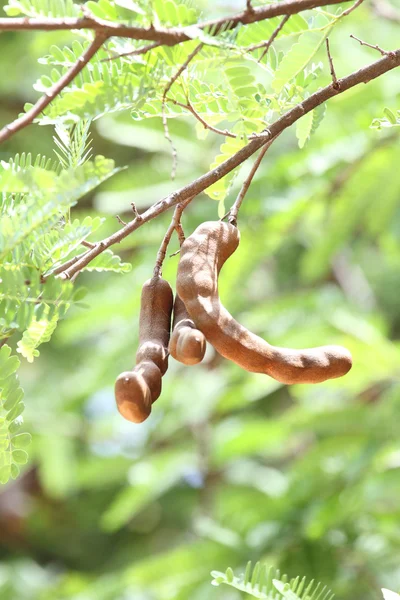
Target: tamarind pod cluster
[
  {"x": 136, "y": 390},
  {"x": 202, "y": 256},
  {"x": 187, "y": 344}
]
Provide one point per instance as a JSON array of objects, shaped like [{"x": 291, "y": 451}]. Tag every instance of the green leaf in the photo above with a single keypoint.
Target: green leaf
[
  {"x": 15, "y": 412},
  {"x": 20, "y": 457},
  {"x": 9, "y": 367},
  {"x": 308, "y": 124},
  {"x": 21, "y": 440},
  {"x": 130, "y": 5},
  {"x": 298, "y": 57},
  {"x": 38, "y": 332},
  {"x": 391, "y": 117}
]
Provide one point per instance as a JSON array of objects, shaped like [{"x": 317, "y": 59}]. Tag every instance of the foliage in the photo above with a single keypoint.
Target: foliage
[
  {"x": 12, "y": 440},
  {"x": 231, "y": 466},
  {"x": 36, "y": 237},
  {"x": 263, "y": 582}
]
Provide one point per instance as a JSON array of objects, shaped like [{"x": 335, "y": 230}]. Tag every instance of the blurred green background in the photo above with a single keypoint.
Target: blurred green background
[{"x": 230, "y": 466}]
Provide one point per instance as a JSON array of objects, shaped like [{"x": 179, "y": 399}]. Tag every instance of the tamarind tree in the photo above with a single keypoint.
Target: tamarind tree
[{"x": 256, "y": 107}]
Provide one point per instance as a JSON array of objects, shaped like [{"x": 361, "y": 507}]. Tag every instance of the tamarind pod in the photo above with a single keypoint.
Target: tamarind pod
[
  {"x": 187, "y": 344},
  {"x": 202, "y": 256},
  {"x": 155, "y": 322},
  {"x": 136, "y": 390},
  {"x": 133, "y": 396}
]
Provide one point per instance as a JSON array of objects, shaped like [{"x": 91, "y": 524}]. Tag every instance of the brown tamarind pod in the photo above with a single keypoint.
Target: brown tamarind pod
[
  {"x": 155, "y": 322},
  {"x": 136, "y": 390},
  {"x": 202, "y": 256},
  {"x": 187, "y": 343}
]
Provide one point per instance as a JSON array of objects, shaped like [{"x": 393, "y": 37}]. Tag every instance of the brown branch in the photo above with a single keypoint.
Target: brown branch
[
  {"x": 331, "y": 66},
  {"x": 66, "y": 265},
  {"x": 120, "y": 220},
  {"x": 233, "y": 213},
  {"x": 173, "y": 226},
  {"x": 206, "y": 125},
  {"x": 141, "y": 50},
  {"x": 88, "y": 244},
  {"x": 363, "y": 75},
  {"x": 376, "y": 47},
  {"x": 12, "y": 128},
  {"x": 180, "y": 233},
  {"x": 105, "y": 29},
  {"x": 164, "y": 114},
  {"x": 166, "y": 36},
  {"x": 273, "y": 36},
  {"x": 350, "y": 10}
]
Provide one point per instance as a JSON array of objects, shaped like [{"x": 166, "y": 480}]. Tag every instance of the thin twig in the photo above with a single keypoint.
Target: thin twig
[
  {"x": 87, "y": 244},
  {"x": 66, "y": 265},
  {"x": 350, "y": 10},
  {"x": 163, "y": 111},
  {"x": 175, "y": 221},
  {"x": 206, "y": 125},
  {"x": 374, "y": 47},
  {"x": 136, "y": 52},
  {"x": 273, "y": 36},
  {"x": 180, "y": 233},
  {"x": 120, "y": 220},
  {"x": 10, "y": 129},
  {"x": 363, "y": 75},
  {"x": 175, "y": 253},
  {"x": 135, "y": 211},
  {"x": 233, "y": 213},
  {"x": 331, "y": 66}
]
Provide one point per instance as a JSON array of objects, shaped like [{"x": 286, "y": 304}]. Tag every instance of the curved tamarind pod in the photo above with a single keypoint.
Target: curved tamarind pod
[
  {"x": 187, "y": 344},
  {"x": 136, "y": 390},
  {"x": 201, "y": 259}
]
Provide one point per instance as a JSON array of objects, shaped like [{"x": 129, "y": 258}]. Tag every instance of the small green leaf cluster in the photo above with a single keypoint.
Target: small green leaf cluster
[
  {"x": 390, "y": 119},
  {"x": 12, "y": 441},
  {"x": 267, "y": 582},
  {"x": 37, "y": 237}
]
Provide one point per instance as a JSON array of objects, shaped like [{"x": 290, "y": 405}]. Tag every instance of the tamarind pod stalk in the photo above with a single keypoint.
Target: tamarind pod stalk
[
  {"x": 187, "y": 344},
  {"x": 202, "y": 256}
]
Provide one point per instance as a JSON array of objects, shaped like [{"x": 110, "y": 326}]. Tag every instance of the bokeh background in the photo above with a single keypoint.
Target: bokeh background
[{"x": 230, "y": 466}]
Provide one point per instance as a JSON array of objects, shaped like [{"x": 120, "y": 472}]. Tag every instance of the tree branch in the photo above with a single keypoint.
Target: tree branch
[
  {"x": 206, "y": 125},
  {"x": 233, "y": 213},
  {"x": 350, "y": 10},
  {"x": 363, "y": 75},
  {"x": 164, "y": 114},
  {"x": 266, "y": 45},
  {"x": 175, "y": 225},
  {"x": 376, "y": 47},
  {"x": 331, "y": 65},
  {"x": 168, "y": 36},
  {"x": 12, "y": 128}
]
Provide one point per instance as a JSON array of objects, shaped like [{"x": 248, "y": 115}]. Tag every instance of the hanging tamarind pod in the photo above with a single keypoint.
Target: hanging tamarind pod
[
  {"x": 187, "y": 343},
  {"x": 136, "y": 390},
  {"x": 202, "y": 256}
]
